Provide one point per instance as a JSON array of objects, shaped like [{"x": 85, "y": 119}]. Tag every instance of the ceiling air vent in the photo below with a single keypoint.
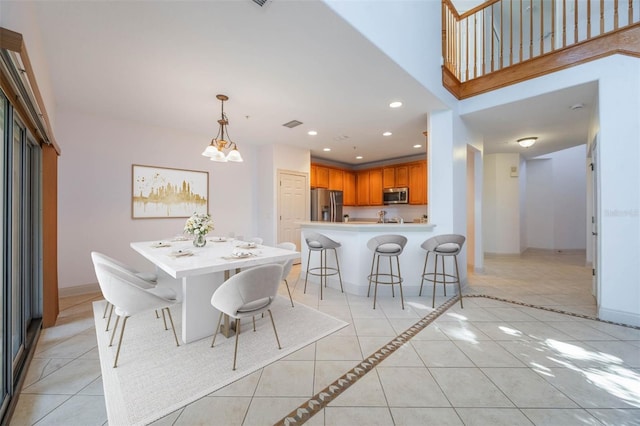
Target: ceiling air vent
[
  {"x": 259, "y": 2},
  {"x": 292, "y": 123}
]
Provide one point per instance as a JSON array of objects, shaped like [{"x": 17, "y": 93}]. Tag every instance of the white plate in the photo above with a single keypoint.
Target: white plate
[
  {"x": 238, "y": 256},
  {"x": 160, "y": 244},
  {"x": 181, "y": 253},
  {"x": 248, "y": 246}
]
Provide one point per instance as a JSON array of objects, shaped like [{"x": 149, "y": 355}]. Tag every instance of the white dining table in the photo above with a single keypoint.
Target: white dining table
[{"x": 196, "y": 272}]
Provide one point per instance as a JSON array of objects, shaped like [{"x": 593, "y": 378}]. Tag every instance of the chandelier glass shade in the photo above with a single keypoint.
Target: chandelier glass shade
[{"x": 218, "y": 145}]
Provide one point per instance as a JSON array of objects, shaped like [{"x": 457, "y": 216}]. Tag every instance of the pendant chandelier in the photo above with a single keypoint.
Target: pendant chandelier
[{"x": 215, "y": 150}]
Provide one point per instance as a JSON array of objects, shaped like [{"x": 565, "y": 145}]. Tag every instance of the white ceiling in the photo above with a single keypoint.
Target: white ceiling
[{"x": 162, "y": 63}]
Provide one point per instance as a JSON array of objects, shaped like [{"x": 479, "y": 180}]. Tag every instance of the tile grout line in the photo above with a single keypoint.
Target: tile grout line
[{"x": 321, "y": 399}]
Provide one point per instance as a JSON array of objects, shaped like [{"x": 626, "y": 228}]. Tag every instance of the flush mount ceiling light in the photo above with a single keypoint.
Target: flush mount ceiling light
[
  {"x": 527, "y": 142},
  {"x": 215, "y": 150}
]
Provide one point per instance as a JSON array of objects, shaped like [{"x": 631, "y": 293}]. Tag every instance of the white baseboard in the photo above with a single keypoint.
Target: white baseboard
[
  {"x": 629, "y": 318},
  {"x": 78, "y": 290}
]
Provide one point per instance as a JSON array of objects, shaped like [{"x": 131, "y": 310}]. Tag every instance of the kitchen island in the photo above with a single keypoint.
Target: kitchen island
[{"x": 355, "y": 258}]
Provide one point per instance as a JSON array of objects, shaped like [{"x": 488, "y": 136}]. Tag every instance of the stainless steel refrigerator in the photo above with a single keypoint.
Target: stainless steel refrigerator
[{"x": 326, "y": 205}]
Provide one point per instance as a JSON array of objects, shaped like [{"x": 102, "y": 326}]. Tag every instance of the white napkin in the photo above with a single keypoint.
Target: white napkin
[{"x": 238, "y": 252}]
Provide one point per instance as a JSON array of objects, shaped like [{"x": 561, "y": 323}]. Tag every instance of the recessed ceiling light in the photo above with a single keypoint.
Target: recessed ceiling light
[
  {"x": 387, "y": 134},
  {"x": 576, "y": 106},
  {"x": 312, "y": 133},
  {"x": 417, "y": 146},
  {"x": 395, "y": 104},
  {"x": 327, "y": 149},
  {"x": 527, "y": 142},
  {"x": 358, "y": 157}
]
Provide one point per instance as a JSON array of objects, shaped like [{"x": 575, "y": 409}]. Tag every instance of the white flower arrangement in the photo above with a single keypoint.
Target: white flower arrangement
[{"x": 199, "y": 224}]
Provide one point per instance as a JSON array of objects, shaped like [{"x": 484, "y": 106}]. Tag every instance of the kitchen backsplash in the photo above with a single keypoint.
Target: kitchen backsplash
[{"x": 407, "y": 212}]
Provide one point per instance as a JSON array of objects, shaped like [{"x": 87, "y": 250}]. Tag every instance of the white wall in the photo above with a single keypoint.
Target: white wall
[
  {"x": 272, "y": 159},
  {"x": 501, "y": 204},
  {"x": 19, "y": 17},
  {"x": 569, "y": 193},
  {"x": 540, "y": 204},
  {"x": 408, "y": 31},
  {"x": 522, "y": 188},
  {"x": 94, "y": 184},
  {"x": 618, "y": 130},
  {"x": 619, "y": 174}
]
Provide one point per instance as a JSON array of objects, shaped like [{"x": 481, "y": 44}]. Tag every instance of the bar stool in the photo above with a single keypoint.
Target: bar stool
[
  {"x": 386, "y": 246},
  {"x": 320, "y": 243},
  {"x": 448, "y": 245}
]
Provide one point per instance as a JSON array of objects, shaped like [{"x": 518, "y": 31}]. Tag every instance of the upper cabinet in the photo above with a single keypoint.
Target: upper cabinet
[
  {"x": 362, "y": 188},
  {"x": 418, "y": 182},
  {"x": 322, "y": 177},
  {"x": 365, "y": 187},
  {"x": 395, "y": 176},
  {"x": 336, "y": 179},
  {"x": 349, "y": 191},
  {"x": 375, "y": 187}
]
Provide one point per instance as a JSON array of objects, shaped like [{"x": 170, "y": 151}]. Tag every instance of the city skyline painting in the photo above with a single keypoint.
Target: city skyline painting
[{"x": 162, "y": 192}]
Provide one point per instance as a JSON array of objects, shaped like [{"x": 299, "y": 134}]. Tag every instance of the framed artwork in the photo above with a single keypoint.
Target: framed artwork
[{"x": 160, "y": 192}]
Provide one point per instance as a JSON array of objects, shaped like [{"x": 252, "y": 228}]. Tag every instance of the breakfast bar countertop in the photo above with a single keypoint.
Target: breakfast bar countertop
[
  {"x": 355, "y": 257},
  {"x": 362, "y": 226}
]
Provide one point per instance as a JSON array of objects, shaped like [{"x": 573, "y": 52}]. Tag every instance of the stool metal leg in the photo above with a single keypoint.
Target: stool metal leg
[
  {"x": 393, "y": 294},
  {"x": 435, "y": 279},
  {"x": 375, "y": 289},
  {"x": 424, "y": 271},
  {"x": 323, "y": 265},
  {"x": 338, "y": 267},
  {"x": 373, "y": 261},
  {"x": 307, "y": 275},
  {"x": 455, "y": 260},
  {"x": 444, "y": 277},
  {"x": 399, "y": 282}
]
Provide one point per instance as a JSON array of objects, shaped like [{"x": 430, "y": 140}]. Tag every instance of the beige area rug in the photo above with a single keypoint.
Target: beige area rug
[{"x": 154, "y": 377}]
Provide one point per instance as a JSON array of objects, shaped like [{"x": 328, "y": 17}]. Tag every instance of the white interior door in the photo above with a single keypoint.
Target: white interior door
[{"x": 293, "y": 205}]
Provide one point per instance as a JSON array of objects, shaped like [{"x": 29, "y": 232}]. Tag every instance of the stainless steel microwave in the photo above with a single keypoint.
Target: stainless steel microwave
[{"x": 395, "y": 195}]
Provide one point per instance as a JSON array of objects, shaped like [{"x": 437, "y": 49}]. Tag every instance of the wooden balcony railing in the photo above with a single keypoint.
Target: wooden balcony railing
[{"x": 501, "y": 42}]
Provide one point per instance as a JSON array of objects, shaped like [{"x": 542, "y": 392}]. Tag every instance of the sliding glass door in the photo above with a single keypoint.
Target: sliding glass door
[
  {"x": 20, "y": 253},
  {"x": 4, "y": 115}
]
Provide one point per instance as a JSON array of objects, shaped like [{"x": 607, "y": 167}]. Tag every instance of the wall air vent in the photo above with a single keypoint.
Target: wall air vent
[
  {"x": 292, "y": 124},
  {"x": 259, "y": 2}
]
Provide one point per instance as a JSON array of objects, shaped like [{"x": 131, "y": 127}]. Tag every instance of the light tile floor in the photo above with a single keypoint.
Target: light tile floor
[{"x": 491, "y": 363}]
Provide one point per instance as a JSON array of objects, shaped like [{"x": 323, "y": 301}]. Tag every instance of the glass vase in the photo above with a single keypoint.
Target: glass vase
[{"x": 199, "y": 240}]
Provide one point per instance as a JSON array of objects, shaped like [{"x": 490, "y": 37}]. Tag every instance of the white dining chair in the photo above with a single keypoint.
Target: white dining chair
[
  {"x": 144, "y": 280},
  {"x": 286, "y": 266},
  {"x": 129, "y": 299},
  {"x": 247, "y": 294},
  {"x": 256, "y": 240}
]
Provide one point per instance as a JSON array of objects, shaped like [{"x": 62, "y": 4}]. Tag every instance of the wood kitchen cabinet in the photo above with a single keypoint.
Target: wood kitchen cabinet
[
  {"x": 389, "y": 177},
  {"x": 375, "y": 187},
  {"x": 418, "y": 182},
  {"x": 402, "y": 176},
  {"x": 336, "y": 179},
  {"x": 362, "y": 188},
  {"x": 322, "y": 177},
  {"x": 395, "y": 176},
  {"x": 349, "y": 188}
]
